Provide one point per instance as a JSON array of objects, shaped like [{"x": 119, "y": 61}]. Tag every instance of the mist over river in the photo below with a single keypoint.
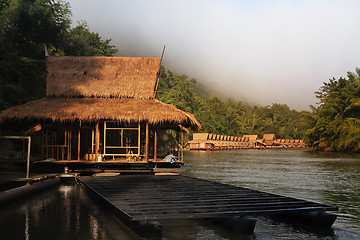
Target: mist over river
[{"x": 67, "y": 212}]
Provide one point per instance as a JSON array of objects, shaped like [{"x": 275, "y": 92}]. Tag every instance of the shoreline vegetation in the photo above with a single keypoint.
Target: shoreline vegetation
[{"x": 334, "y": 125}]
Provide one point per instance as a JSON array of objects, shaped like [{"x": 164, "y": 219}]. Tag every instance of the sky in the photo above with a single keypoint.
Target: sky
[{"x": 255, "y": 51}]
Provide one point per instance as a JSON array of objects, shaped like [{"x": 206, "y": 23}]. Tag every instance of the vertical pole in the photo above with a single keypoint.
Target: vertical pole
[
  {"x": 42, "y": 144},
  {"x": 92, "y": 142},
  {"x": 78, "y": 155},
  {"x": 179, "y": 146},
  {"x": 96, "y": 140},
  {"x": 147, "y": 142},
  {"x": 23, "y": 150},
  {"x": 70, "y": 134},
  {"x": 28, "y": 159},
  {"x": 155, "y": 144},
  {"x": 122, "y": 138},
  {"x": 68, "y": 144},
  {"x": 104, "y": 138},
  {"x": 182, "y": 146},
  {"x": 64, "y": 146},
  {"x": 46, "y": 144},
  {"x": 62, "y": 153},
  {"x": 139, "y": 139}
]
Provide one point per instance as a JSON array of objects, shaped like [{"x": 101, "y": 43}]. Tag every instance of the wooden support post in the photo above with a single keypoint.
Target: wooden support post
[
  {"x": 23, "y": 151},
  {"x": 28, "y": 159},
  {"x": 92, "y": 142},
  {"x": 155, "y": 144},
  {"x": 104, "y": 146},
  {"x": 147, "y": 142},
  {"x": 139, "y": 139},
  {"x": 46, "y": 144},
  {"x": 79, "y": 142},
  {"x": 42, "y": 145},
  {"x": 69, "y": 153},
  {"x": 65, "y": 144},
  {"x": 62, "y": 153},
  {"x": 182, "y": 146},
  {"x": 179, "y": 146},
  {"x": 97, "y": 138}
]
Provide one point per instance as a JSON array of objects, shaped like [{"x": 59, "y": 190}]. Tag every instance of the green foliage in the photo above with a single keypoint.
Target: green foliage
[
  {"x": 82, "y": 42},
  {"x": 25, "y": 25},
  {"x": 336, "y": 124},
  {"x": 229, "y": 117}
]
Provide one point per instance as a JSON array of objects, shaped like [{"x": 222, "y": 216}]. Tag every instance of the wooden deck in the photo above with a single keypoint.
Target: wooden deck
[{"x": 169, "y": 197}]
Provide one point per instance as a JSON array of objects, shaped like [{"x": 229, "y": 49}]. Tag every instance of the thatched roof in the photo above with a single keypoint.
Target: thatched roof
[
  {"x": 269, "y": 137},
  {"x": 252, "y": 138},
  {"x": 200, "y": 136},
  {"x": 123, "y": 77},
  {"x": 93, "y": 109}
]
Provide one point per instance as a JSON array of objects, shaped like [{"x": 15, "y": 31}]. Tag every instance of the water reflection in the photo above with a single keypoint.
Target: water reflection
[{"x": 65, "y": 212}]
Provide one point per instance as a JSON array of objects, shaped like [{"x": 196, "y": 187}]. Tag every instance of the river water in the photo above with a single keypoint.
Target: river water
[{"x": 67, "y": 212}]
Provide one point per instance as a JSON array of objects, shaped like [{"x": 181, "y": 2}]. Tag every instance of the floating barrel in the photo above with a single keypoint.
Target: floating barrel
[
  {"x": 147, "y": 229},
  {"x": 238, "y": 224},
  {"x": 317, "y": 219}
]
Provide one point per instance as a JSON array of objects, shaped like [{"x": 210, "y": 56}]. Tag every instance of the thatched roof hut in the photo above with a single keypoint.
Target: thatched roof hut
[
  {"x": 104, "y": 99},
  {"x": 101, "y": 88}
]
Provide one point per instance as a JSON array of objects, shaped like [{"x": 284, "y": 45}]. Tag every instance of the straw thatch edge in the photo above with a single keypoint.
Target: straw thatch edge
[{"x": 129, "y": 110}]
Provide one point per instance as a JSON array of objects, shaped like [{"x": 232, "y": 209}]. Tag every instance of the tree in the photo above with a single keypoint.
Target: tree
[
  {"x": 336, "y": 126},
  {"x": 25, "y": 25},
  {"x": 82, "y": 42}
]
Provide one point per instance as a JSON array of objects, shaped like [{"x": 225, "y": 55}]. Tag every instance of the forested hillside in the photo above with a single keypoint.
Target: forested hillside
[{"x": 230, "y": 117}]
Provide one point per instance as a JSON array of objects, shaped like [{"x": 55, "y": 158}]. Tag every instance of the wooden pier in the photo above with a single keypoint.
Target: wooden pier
[{"x": 149, "y": 198}]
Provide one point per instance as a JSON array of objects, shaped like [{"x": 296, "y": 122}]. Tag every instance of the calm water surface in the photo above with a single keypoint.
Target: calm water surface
[{"x": 67, "y": 212}]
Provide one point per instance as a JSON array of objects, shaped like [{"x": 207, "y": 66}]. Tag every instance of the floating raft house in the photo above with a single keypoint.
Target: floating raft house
[
  {"x": 212, "y": 142},
  {"x": 97, "y": 109}
]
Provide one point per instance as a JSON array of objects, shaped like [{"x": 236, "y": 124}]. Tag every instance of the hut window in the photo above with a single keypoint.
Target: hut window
[{"x": 121, "y": 141}]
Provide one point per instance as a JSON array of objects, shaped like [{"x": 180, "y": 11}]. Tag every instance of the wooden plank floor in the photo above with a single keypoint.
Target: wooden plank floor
[{"x": 165, "y": 197}]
